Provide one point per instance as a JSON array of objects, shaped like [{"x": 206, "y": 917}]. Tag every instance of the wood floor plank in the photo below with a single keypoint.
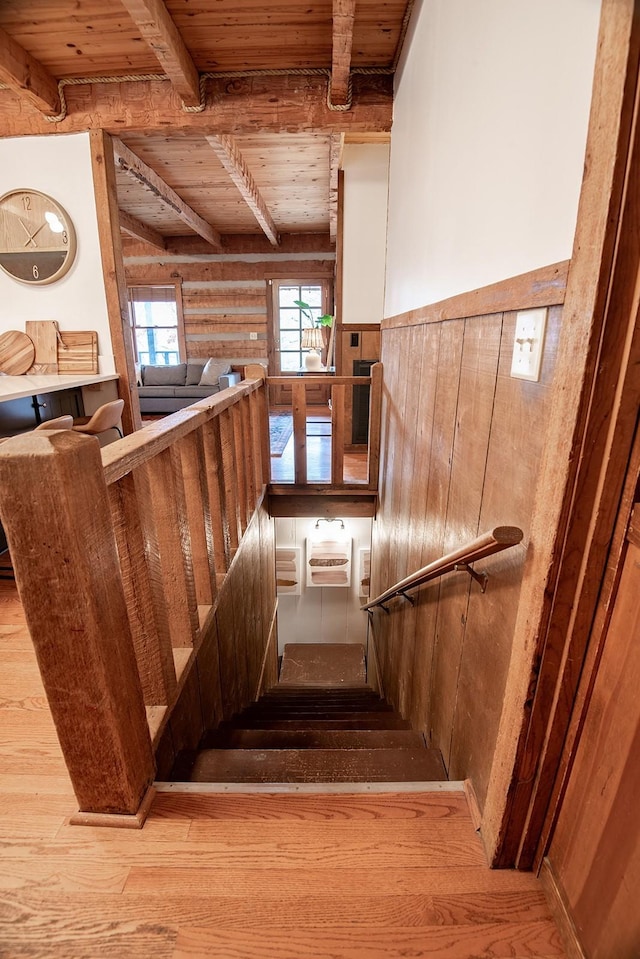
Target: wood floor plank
[
  {"x": 239, "y": 875},
  {"x": 346, "y": 807},
  {"x": 294, "y": 882},
  {"x": 486, "y": 940}
]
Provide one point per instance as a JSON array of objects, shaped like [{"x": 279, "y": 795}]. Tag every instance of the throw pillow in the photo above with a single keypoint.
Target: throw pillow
[
  {"x": 164, "y": 375},
  {"x": 194, "y": 372},
  {"x": 212, "y": 371}
]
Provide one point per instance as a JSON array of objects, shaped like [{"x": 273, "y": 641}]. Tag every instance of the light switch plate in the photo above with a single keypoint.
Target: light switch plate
[
  {"x": 528, "y": 344},
  {"x": 253, "y": 336}
]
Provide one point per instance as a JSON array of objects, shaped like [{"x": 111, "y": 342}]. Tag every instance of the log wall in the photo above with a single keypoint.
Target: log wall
[
  {"x": 461, "y": 445},
  {"x": 225, "y": 295}
]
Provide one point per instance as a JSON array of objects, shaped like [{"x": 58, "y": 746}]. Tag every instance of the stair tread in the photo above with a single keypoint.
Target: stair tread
[
  {"x": 311, "y": 739},
  {"x": 368, "y": 721},
  {"x": 318, "y": 765},
  {"x": 322, "y": 664},
  {"x": 319, "y": 712}
]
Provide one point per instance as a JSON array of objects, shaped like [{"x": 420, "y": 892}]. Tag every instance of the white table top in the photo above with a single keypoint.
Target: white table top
[{"x": 14, "y": 387}]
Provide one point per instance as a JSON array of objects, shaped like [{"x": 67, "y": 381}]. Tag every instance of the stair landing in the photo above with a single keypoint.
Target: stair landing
[{"x": 323, "y": 664}]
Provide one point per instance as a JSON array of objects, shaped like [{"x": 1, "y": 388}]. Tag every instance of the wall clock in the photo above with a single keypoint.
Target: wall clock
[{"x": 37, "y": 238}]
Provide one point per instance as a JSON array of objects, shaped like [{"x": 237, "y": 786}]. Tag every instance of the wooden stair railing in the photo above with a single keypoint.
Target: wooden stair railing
[
  {"x": 338, "y": 385},
  {"x": 118, "y": 555},
  {"x": 497, "y": 539}
]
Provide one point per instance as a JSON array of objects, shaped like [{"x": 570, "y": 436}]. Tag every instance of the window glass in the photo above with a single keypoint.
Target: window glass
[{"x": 155, "y": 325}]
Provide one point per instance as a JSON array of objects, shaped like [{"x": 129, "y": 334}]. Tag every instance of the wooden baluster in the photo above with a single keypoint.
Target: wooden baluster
[
  {"x": 337, "y": 435},
  {"x": 169, "y": 551},
  {"x": 240, "y": 466},
  {"x": 248, "y": 456},
  {"x": 299, "y": 404},
  {"x": 146, "y": 607},
  {"x": 214, "y": 473},
  {"x": 192, "y": 458},
  {"x": 228, "y": 450},
  {"x": 261, "y": 436},
  {"x": 55, "y": 507},
  {"x": 375, "y": 415}
]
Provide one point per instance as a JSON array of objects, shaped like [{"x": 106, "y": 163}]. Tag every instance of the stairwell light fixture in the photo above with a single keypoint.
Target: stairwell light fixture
[{"x": 331, "y": 519}]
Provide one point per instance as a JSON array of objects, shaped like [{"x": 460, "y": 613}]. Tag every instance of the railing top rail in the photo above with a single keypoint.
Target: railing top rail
[
  {"x": 124, "y": 455},
  {"x": 318, "y": 379},
  {"x": 497, "y": 539}
]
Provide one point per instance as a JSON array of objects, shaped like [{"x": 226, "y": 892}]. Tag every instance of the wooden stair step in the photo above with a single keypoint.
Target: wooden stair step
[
  {"x": 359, "y": 721},
  {"x": 323, "y": 664},
  {"x": 327, "y": 712},
  {"x": 312, "y": 739},
  {"x": 318, "y": 765}
]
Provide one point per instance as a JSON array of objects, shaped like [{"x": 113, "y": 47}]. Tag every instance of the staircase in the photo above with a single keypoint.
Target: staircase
[{"x": 306, "y": 734}]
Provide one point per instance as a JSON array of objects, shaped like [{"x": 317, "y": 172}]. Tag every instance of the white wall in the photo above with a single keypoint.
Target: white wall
[
  {"x": 61, "y": 167},
  {"x": 366, "y": 185},
  {"x": 322, "y": 614},
  {"x": 487, "y": 146}
]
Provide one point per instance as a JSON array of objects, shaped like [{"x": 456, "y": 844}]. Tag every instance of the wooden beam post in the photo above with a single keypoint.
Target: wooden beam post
[
  {"x": 232, "y": 160},
  {"x": 344, "y": 13},
  {"x": 115, "y": 284},
  {"x": 54, "y": 505},
  {"x": 133, "y": 226}
]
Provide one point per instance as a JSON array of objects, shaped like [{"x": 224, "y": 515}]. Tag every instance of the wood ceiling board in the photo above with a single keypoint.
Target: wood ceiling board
[
  {"x": 73, "y": 40},
  {"x": 98, "y": 38}
]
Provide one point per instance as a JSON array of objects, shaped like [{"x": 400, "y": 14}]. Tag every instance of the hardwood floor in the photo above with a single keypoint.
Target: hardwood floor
[
  {"x": 318, "y": 454},
  {"x": 239, "y": 876}
]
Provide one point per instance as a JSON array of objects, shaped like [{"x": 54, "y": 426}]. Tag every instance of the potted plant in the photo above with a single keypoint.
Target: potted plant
[{"x": 313, "y": 338}]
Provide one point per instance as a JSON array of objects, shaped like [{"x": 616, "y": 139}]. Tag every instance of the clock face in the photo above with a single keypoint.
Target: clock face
[{"x": 37, "y": 239}]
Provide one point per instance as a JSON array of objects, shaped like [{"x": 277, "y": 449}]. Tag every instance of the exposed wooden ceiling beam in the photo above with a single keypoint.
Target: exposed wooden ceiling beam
[
  {"x": 158, "y": 29},
  {"x": 27, "y": 77},
  {"x": 335, "y": 157},
  {"x": 138, "y": 169},
  {"x": 268, "y": 104},
  {"x": 232, "y": 160},
  {"x": 141, "y": 231},
  {"x": 344, "y": 12}
]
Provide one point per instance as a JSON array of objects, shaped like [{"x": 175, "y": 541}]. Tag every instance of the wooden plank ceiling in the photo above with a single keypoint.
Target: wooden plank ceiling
[{"x": 200, "y": 152}]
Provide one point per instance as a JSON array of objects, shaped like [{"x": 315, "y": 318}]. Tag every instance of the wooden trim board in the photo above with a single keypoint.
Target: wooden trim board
[{"x": 543, "y": 287}]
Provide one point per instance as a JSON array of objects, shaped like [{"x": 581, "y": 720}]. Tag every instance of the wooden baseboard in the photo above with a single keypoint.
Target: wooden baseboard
[{"x": 560, "y": 912}]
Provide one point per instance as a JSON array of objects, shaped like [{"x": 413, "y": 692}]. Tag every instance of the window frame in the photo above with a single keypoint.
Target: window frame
[
  {"x": 176, "y": 286},
  {"x": 275, "y": 283}
]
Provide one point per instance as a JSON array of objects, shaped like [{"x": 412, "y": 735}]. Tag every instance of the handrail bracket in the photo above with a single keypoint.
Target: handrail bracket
[
  {"x": 481, "y": 578},
  {"x": 409, "y": 599}
]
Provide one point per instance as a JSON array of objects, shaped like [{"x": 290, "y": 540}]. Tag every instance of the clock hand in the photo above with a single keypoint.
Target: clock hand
[
  {"x": 25, "y": 228},
  {"x": 31, "y": 235}
]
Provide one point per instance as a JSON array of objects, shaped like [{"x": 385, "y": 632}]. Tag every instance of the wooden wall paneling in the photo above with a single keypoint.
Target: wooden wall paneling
[
  {"x": 444, "y": 432},
  {"x": 187, "y": 723},
  {"x": 426, "y": 524},
  {"x": 406, "y": 543},
  {"x": 370, "y": 344},
  {"x": 516, "y": 443},
  {"x": 166, "y": 532},
  {"x": 595, "y": 850},
  {"x": 115, "y": 284},
  {"x": 589, "y": 436},
  {"x": 208, "y": 667},
  {"x": 214, "y": 475},
  {"x": 397, "y": 446},
  {"x": 225, "y": 627},
  {"x": 380, "y": 538},
  {"x": 146, "y": 606},
  {"x": 228, "y": 452},
  {"x": 192, "y": 459},
  {"x": 240, "y": 599},
  {"x": 478, "y": 371}
]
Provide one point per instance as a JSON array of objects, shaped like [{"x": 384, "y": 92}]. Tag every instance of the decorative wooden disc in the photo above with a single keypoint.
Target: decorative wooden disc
[{"x": 17, "y": 352}]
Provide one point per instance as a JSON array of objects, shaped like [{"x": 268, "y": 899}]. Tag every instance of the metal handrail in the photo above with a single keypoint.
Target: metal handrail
[{"x": 497, "y": 539}]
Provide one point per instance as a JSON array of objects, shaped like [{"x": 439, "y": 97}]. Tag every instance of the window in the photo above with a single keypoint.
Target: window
[
  {"x": 289, "y": 320},
  {"x": 156, "y": 325}
]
